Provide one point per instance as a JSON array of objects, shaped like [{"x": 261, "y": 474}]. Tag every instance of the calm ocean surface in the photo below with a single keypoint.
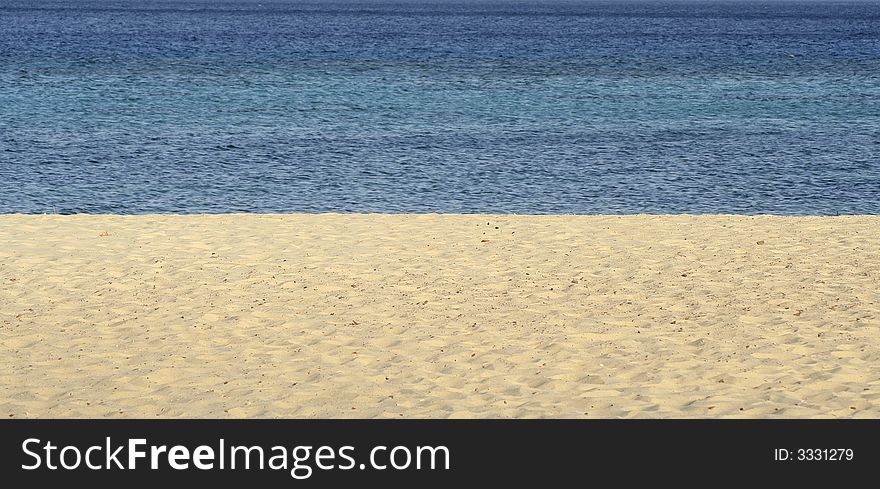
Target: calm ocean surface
[{"x": 429, "y": 106}]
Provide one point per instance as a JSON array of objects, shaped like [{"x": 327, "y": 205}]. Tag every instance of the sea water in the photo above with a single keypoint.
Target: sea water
[{"x": 184, "y": 106}]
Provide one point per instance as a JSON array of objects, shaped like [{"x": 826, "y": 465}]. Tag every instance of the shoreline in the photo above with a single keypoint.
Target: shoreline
[{"x": 439, "y": 315}]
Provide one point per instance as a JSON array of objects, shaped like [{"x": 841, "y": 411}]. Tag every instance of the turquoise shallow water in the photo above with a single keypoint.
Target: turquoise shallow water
[{"x": 509, "y": 107}]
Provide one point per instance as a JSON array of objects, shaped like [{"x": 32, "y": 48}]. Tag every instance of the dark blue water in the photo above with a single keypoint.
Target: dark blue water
[{"x": 526, "y": 107}]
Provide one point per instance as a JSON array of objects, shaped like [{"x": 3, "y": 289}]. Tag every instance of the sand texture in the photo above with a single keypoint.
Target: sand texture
[{"x": 439, "y": 316}]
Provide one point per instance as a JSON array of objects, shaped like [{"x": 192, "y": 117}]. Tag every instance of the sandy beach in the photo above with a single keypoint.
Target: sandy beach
[{"x": 439, "y": 316}]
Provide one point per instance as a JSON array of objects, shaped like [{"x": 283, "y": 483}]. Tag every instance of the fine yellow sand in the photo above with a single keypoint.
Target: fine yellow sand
[{"x": 439, "y": 316}]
